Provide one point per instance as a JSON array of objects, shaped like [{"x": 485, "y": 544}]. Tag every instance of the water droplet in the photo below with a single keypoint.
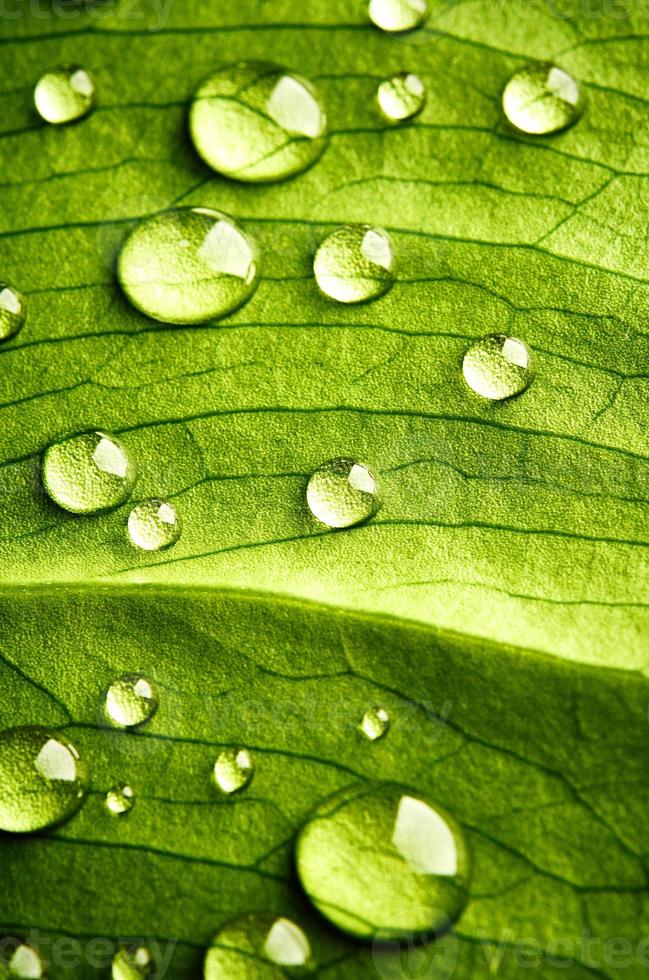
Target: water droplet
[
  {"x": 43, "y": 781},
  {"x": 542, "y": 98},
  {"x": 355, "y": 264},
  {"x": 257, "y": 947},
  {"x": 131, "y": 700},
  {"x": 19, "y": 961},
  {"x": 132, "y": 963},
  {"x": 189, "y": 265},
  {"x": 154, "y": 525},
  {"x": 401, "y": 97},
  {"x": 397, "y": 16},
  {"x": 13, "y": 311},
  {"x": 64, "y": 94},
  {"x": 343, "y": 492},
  {"x": 383, "y": 863},
  {"x": 375, "y": 723},
  {"x": 87, "y": 473},
  {"x": 233, "y": 770},
  {"x": 119, "y": 800},
  {"x": 498, "y": 367},
  {"x": 257, "y": 122}
]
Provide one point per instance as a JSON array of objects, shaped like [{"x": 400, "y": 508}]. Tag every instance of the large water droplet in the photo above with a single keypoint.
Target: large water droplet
[
  {"x": 355, "y": 264},
  {"x": 64, "y": 94},
  {"x": 87, "y": 473},
  {"x": 343, "y": 492},
  {"x": 542, "y": 98},
  {"x": 154, "y": 525},
  {"x": 383, "y": 863},
  {"x": 257, "y": 122},
  {"x": 257, "y": 947},
  {"x": 401, "y": 97},
  {"x": 13, "y": 311},
  {"x": 396, "y": 16},
  {"x": 498, "y": 367},
  {"x": 132, "y": 963},
  {"x": 375, "y": 723},
  {"x": 131, "y": 700},
  {"x": 43, "y": 781},
  {"x": 119, "y": 800},
  {"x": 19, "y": 961},
  {"x": 189, "y": 265},
  {"x": 233, "y": 770}
]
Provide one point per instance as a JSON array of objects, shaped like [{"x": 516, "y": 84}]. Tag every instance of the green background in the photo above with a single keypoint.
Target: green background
[{"x": 504, "y": 583}]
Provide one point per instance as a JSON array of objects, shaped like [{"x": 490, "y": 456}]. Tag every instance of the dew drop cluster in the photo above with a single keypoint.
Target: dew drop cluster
[
  {"x": 256, "y": 122},
  {"x": 410, "y": 877}
]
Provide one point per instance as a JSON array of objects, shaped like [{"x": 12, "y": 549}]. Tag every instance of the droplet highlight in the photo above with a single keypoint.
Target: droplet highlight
[
  {"x": 13, "y": 311},
  {"x": 87, "y": 473},
  {"x": 154, "y": 525},
  {"x": 132, "y": 963},
  {"x": 233, "y": 770},
  {"x": 355, "y": 264},
  {"x": 381, "y": 862},
  {"x": 19, "y": 961},
  {"x": 130, "y": 701},
  {"x": 498, "y": 367},
  {"x": 342, "y": 493},
  {"x": 398, "y": 16},
  {"x": 257, "y": 947},
  {"x": 64, "y": 94},
  {"x": 43, "y": 780},
  {"x": 542, "y": 98},
  {"x": 189, "y": 265},
  {"x": 257, "y": 122},
  {"x": 401, "y": 97},
  {"x": 119, "y": 800},
  {"x": 375, "y": 723}
]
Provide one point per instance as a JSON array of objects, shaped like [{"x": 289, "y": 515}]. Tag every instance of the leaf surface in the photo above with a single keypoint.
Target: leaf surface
[
  {"x": 543, "y": 763},
  {"x": 506, "y": 574}
]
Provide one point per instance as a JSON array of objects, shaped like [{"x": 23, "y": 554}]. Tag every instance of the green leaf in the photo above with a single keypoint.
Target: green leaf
[
  {"x": 511, "y": 551},
  {"x": 543, "y": 763},
  {"x": 524, "y": 522}
]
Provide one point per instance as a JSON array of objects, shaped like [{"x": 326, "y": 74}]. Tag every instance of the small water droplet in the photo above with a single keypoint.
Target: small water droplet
[
  {"x": 43, "y": 781},
  {"x": 19, "y": 961},
  {"x": 498, "y": 367},
  {"x": 375, "y": 723},
  {"x": 64, "y": 94},
  {"x": 381, "y": 862},
  {"x": 257, "y": 122},
  {"x": 13, "y": 311},
  {"x": 397, "y": 16},
  {"x": 189, "y": 265},
  {"x": 119, "y": 800},
  {"x": 401, "y": 97},
  {"x": 132, "y": 963},
  {"x": 342, "y": 493},
  {"x": 154, "y": 525},
  {"x": 257, "y": 947},
  {"x": 130, "y": 701},
  {"x": 542, "y": 98},
  {"x": 233, "y": 770},
  {"x": 87, "y": 473},
  {"x": 355, "y": 264}
]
